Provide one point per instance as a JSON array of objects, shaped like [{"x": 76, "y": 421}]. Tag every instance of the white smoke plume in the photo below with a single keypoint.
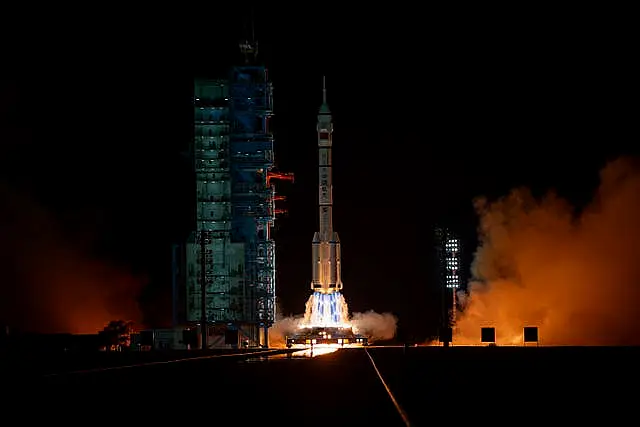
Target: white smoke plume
[
  {"x": 283, "y": 327},
  {"x": 375, "y": 326}
]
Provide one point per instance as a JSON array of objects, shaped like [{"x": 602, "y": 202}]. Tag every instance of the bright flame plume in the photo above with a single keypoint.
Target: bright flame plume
[{"x": 326, "y": 310}]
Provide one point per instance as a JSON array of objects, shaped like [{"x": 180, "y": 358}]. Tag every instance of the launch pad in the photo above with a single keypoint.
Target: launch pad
[{"x": 337, "y": 336}]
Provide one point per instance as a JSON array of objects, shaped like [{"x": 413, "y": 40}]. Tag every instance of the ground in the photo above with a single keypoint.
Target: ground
[{"x": 430, "y": 384}]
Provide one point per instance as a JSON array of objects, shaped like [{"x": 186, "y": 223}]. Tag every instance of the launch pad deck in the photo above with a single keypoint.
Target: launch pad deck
[{"x": 326, "y": 336}]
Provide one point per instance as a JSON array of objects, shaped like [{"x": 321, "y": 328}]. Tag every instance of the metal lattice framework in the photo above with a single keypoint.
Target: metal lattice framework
[{"x": 231, "y": 254}]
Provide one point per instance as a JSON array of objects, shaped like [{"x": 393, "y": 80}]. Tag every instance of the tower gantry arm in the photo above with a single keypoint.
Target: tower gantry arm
[{"x": 285, "y": 176}]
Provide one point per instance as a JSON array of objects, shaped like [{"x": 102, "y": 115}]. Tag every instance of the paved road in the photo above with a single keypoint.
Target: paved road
[
  {"x": 507, "y": 385},
  {"x": 430, "y": 385},
  {"x": 337, "y": 389}
]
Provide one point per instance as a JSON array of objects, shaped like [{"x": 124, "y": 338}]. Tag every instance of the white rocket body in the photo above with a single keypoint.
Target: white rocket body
[{"x": 326, "y": 243}]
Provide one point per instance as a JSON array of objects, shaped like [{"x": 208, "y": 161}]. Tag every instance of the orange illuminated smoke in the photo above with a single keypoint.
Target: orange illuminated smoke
[
  {"x": 57, "y": 286},
  {"x": 574, "y": 275}
]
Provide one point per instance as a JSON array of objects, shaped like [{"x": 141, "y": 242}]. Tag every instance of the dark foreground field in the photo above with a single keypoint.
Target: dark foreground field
[
  {"x": 31, "y": 364},
  {"x": 431, "y": 385}
]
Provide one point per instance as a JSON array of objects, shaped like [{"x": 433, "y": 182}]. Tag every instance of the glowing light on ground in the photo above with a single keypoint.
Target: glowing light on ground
[{"x": 317, "y": 350}]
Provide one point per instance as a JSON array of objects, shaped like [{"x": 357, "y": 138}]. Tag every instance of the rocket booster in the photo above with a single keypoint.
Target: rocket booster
[{"x": 326, "y": 244}]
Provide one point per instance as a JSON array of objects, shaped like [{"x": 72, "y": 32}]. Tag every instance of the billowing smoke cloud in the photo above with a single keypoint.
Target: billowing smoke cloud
[
  {"x": 51, "y": 285},
  {"x": 576, "y": 277},
  {"x": 282, "y": 328},
  {"x": 375, "y": 326}
]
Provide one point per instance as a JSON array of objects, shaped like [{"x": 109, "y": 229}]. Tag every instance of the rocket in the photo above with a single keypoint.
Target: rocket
[{"x": 325, "y": 250}]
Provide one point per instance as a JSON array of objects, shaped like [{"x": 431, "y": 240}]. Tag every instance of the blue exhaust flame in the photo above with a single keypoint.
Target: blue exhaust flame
[{"x": 326, "y": 310}]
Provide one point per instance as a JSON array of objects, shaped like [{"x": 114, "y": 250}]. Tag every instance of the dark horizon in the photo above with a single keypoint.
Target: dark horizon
[{"x": 425, "y": 122}]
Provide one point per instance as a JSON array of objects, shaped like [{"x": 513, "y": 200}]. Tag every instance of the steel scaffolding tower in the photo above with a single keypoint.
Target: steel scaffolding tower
[
  {"x": 232, "y": 250},
  {"x": 253, "y": 214}
]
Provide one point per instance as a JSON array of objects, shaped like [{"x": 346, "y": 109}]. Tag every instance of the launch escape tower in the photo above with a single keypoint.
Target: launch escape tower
[{"x": 231, "y": 250}]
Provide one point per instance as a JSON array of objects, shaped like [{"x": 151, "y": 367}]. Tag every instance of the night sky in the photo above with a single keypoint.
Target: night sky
[{"x": 429, "y": 112}]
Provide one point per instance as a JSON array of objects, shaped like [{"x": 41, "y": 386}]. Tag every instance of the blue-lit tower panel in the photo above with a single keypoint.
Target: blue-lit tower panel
[{"x": 251, "y": 149}]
